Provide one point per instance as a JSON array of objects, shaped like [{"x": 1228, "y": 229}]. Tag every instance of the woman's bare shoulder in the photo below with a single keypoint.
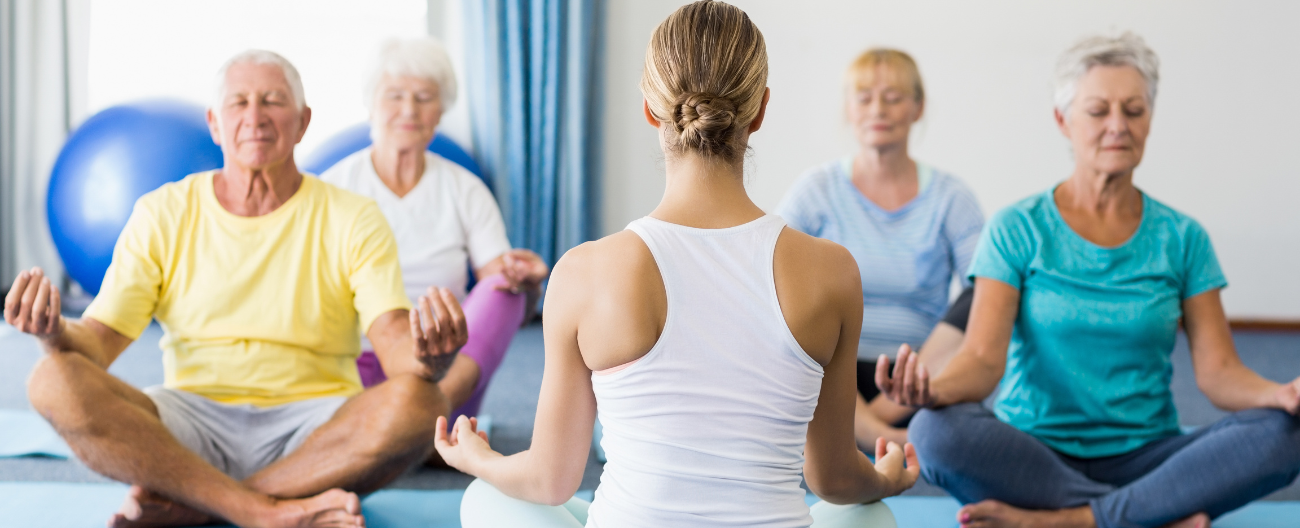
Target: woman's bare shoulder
[
  {"x": 818, "y": 261},
  {"x": 616, "y": 264}
]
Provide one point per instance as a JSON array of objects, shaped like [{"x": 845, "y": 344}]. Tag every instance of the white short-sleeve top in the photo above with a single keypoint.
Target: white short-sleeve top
[{"x": 448, "y": 220}]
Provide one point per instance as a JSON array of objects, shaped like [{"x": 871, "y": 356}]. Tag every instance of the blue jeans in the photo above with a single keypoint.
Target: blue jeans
[{"x": 967, "y": 451}]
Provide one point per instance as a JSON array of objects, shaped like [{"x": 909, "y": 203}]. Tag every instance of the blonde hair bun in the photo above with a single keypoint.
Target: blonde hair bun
[
  {"x": 704, "y": 121},
  {"x": 704, "y": 78}
]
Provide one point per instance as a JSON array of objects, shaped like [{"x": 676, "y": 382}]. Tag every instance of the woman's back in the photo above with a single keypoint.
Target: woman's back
[
  {"x": 733, "y": 340},
  {"x": 719, "y": 406}
]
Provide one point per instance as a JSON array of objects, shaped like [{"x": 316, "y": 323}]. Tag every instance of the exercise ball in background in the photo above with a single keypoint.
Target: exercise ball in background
[
  {"x": 357, "y": 137},
  {"x": 109, "y": 162}
]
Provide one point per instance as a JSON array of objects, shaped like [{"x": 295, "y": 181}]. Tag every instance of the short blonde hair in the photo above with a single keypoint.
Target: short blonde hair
[
  {"x": 862, "y": 70},
  {"x": 422, "y": 58},
  {"x": 705, "y": 75}
]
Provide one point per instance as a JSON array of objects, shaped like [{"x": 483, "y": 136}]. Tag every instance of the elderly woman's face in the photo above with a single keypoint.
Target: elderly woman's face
[
  {"x": 882, "y": 111},
  {"x": 1108, "y": 120},
  {"x": 258, "y": 122},
  {"x": 405, "y": 112}
]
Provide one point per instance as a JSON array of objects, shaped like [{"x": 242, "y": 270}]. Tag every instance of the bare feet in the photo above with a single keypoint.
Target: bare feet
[
  {"x": 1199, "y": 520},
  {"x": 994, "y": 514},
  {"x": 333, "y": 509},
  {"x": 145, "y": 509}
]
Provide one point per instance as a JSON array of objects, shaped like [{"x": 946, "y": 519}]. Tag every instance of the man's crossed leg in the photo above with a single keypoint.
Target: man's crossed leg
[{"x": 118, "y": 431}]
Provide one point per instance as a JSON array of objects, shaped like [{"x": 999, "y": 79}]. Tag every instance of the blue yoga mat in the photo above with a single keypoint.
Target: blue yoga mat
[
  {"x": 25, "y": 433},
  {"x": 60, "y": 505},
  {"x": 69, "y": 505}
]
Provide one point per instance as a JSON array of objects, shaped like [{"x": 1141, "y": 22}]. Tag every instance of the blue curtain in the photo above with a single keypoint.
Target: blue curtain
[{"x": 534, "y": 100}]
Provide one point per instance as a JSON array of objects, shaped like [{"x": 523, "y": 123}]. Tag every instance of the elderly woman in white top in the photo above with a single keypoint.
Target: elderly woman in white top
[{"x": 442, "y": 215}]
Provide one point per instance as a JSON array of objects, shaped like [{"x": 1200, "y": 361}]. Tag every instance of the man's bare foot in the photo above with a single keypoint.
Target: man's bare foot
[
  {"x": 1199, "y": 520},
  {"x": 333, "y": 509},
  {"x": 145, "y": 509},
  {"x": 994, "y": 514}
]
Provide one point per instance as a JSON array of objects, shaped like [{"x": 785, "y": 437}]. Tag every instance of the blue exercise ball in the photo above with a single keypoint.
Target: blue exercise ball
[
  {"x": 109, "y": 162},
  {"x": 357, "y": 137}
]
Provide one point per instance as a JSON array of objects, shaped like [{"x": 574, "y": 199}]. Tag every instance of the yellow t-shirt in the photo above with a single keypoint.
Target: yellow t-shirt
[{"x": 263, "y": 310}]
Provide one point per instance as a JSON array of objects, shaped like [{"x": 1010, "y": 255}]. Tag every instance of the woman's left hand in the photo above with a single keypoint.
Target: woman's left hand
[
  {"x": 523, "y": 270},
  {"x": 464, "y": 446},
  {"x": 1288, "y": 397}
]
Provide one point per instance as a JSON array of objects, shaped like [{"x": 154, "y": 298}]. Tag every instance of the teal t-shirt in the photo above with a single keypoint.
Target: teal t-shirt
[{"x": 1088, "y": 369}]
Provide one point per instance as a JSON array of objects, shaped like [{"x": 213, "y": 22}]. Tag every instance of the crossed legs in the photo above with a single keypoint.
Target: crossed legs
[
  {"x": 1007, "y": 478},
  {"x": 115, "y": 429}
]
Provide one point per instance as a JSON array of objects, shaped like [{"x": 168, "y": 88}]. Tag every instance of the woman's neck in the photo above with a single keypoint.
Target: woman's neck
[
  {"x": 888, "y": 164},
  {"x": 705, "y": 194},
  {"x": 399, "y": 168},
  {"x": 1100, "y": 194},
  {"x": 886, "y": 175}
]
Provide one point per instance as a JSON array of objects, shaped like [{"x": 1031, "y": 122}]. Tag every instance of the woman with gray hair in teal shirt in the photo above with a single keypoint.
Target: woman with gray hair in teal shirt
[{"x": 1079, "y": 293}]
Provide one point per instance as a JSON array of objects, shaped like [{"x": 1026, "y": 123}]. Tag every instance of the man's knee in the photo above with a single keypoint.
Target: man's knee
[
  {"x": 406, "y": 414},
  {"x": 412, "y": 397},
  {"x": 56, "y": 388}
]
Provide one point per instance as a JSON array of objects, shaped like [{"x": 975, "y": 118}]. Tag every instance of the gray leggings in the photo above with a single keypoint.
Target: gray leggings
[{"x": 967, "y": 451}]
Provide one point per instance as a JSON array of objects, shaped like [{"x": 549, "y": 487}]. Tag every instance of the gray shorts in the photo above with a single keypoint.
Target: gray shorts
[{"x": 240, "y": 440}]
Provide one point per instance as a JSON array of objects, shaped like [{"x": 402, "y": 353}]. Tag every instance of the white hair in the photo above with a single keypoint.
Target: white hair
[
  {"x": 1126, "y": 49},
  {"x": 422, "y": 58},
  {"x": 256, "y": 56}
]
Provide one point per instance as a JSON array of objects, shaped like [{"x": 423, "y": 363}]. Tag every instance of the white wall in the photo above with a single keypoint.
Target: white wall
[{"x": 1223, "y": 145}]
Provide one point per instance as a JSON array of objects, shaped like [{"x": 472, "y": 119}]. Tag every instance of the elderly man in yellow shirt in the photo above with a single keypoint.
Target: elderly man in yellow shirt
[{"x": 263, "y": 279}]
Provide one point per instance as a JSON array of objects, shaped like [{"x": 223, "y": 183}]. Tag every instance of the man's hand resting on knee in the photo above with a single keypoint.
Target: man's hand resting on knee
[
  {"x": 34, "y": 307},
  {"x": 423, "y": 341}
]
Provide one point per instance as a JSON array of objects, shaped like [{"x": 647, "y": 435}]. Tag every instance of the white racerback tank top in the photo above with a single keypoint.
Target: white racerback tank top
[{"x": 708, "y": 428}]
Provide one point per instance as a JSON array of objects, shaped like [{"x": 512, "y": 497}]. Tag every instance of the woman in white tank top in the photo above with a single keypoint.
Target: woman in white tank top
[{"x": 719, "y": 346}]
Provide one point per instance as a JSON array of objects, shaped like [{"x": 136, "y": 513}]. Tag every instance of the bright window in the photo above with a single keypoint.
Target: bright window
[{"x": 172, "y": 48}]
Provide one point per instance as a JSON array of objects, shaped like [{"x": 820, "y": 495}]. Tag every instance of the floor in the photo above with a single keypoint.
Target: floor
[{"x": 512, "y": 400}]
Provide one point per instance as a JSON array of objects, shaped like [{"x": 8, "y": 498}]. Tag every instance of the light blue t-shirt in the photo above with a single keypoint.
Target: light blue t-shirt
[
  {"x": 1088, "y": 369},
  {"x": 907, "y": 257}
]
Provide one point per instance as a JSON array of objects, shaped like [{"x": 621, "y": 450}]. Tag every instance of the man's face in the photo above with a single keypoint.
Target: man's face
[{"x": 257, "y": 122}]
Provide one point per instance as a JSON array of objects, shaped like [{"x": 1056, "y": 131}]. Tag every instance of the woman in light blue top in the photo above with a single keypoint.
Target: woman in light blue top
[
  {"x": 911, "y": 228},
  {"x": 1080, "y": 290}
]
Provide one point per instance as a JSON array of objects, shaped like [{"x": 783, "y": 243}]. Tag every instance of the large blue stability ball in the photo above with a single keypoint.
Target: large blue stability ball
[
  {"x": 357, "y": 137},
  {"x": 113, "y": 159}
]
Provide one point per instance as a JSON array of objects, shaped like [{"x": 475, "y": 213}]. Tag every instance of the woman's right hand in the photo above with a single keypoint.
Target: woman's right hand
[
  {"x": 910, "y": 382},
  {"x": 898, "y": 466},
  {"x": 465, "y": 446}
]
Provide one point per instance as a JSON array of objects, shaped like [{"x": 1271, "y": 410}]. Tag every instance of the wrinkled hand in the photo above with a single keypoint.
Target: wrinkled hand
[
  {"x": 464, "y": 445},
  {"x": 910, "y": 383},
  {"x": 897, "y": 465},
  {"x": 438, "y": 328},
  {"x": 34, "y": 306},
  {"x": 523, "y": 270},
  {"x": 1288, "y": 397}
]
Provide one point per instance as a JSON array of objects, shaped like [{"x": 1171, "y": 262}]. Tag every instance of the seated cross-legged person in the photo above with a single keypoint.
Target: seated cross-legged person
[
  {"x": 911, "y": 228},
  {"x": 262, "y": 279},
  {"x": 887, "y": 419},
  {"x": 718, "y": 346},
  {"x": 1079, "y": 294},
  {"x": 441, "y": 214}
]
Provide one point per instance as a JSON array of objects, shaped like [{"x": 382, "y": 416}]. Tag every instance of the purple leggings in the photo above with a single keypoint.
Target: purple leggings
[{"x": 492, "y": 317}]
